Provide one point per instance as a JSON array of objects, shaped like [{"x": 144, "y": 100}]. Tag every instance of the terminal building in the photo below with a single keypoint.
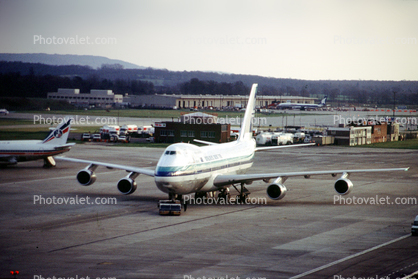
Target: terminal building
[
  {"x": 365, "y": 133},
  {"x": 205, "y": 101},
  {"x": 99, "y": 98}
]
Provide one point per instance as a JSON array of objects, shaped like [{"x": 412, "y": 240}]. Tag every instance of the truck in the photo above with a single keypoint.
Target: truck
[
  {"x": 264, "y": 138},
  {"x": 128, "y": 129},
  {"x": 282, "y": 138},
  {"x": 146, "y": 131},
  {"x": 110, "y": 132},
  {"x": 299, "y": 137}
]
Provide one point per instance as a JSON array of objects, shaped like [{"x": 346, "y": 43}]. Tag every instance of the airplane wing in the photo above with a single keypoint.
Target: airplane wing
[
  {"x": 148, "y": 172},
  {"x": 225, "y": 180}
]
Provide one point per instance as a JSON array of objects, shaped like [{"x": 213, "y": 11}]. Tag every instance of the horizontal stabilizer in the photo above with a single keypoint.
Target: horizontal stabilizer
[
  {"x": 283, "y": 146},
  {"x": 205, "y": 142}
]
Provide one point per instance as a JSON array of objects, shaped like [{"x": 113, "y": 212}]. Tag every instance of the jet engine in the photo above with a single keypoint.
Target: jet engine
[
  {"x": 87, "y": 176},
  {"x": 343, "y": 185},
  {"x": 277, "y": 190},
  {"x": 127, "y": 185}
]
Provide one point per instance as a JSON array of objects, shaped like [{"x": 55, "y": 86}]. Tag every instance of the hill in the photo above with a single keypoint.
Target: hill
[{"x": 65, "y": 60}]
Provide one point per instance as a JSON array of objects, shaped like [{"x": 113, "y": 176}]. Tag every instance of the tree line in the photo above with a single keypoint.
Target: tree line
[{"x": 19, "y": 79}]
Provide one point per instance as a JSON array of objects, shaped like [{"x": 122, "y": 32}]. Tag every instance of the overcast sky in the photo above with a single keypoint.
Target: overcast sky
[{"x": 304, "y": 39}]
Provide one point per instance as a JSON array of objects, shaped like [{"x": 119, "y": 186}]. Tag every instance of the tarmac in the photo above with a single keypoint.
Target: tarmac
[{"x": 53, "y": 227}]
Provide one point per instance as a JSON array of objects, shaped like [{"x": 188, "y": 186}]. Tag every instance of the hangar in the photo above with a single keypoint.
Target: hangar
[
  {"x": 202, "y": 101},
  {"x": 95, "y": 97}
]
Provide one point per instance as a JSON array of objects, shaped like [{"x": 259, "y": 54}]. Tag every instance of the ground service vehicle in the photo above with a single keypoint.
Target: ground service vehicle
[
  {"x": 169, "y": 207},
  {"x": 86, "y": 137},
  {"x": 414, "y": 227}
]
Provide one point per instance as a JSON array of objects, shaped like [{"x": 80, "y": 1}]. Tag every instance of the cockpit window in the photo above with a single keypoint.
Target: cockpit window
[
  {"x": 172, "y": 152},
  {"x": 168, "y": 152}
]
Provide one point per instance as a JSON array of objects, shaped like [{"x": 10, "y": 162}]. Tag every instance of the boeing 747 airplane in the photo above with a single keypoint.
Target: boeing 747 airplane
[
  {"x": 13, "y": 151},
  {"x": 185, "y": 169}
]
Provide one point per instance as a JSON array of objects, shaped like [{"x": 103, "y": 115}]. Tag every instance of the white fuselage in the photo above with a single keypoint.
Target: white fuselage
[
  {"x": 27, "y": 150},
  {"x": 185, "y": 168}
]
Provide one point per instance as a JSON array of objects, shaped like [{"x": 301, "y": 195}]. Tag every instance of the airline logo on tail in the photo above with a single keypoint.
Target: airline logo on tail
[
  {"x": 324, "y": 100},
  {"x": 60, "y": 131}
]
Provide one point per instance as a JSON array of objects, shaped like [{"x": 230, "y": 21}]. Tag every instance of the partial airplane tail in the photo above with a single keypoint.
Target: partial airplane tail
[
  {"x": 246, "y": 132},
  {"x": 59, "y": 135},
  {"x": 323, "y": 102}
]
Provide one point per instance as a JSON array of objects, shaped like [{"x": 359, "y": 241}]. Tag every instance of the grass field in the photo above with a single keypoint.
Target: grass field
[
  {"x": 20, "y": 135},
  {"x": 14, "y": 121}
]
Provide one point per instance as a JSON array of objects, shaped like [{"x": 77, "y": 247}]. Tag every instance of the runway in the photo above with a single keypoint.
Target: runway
[{"x": 308, "y": 234}]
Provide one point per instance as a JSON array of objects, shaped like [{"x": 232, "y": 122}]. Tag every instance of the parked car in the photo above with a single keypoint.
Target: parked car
[
  {"x": 97, "y": 137},
  {"x": 124, "y": 139},
  {"x": 86, "y": 137}
]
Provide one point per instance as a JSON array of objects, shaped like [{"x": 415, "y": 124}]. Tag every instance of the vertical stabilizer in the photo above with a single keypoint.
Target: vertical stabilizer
[
  {"x": 246, "y": 125},
  {"x": 59, "y": 135}
]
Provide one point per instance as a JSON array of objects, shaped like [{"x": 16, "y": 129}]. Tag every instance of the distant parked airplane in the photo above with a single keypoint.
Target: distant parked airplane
[
  {"x": 13, "y": 151},
  {"x": 303, "y": 106}
]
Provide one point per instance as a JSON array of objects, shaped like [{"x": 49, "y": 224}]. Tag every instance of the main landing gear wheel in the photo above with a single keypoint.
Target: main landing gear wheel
[
  {"x": 243, "y": 194},
  {"x": 224, "y": 194},
  {"x": 49, "y": 162}
]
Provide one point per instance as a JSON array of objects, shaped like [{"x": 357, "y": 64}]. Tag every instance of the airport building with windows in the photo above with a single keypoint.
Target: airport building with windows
[
  {"x": 99, "y": 98},
  {"x": 192, "y": 126},
  {"x": 205, "y": 101}
]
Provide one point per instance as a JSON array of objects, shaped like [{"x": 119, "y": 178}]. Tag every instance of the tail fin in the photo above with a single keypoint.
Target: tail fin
[
  {"x": 246, "y": 127},
  {"x": 324, "y": 100},
  {"x": 59, "y": 135}
]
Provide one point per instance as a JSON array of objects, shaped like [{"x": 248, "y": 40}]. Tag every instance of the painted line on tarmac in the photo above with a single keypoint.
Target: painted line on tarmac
[{"x": 350, "y": 257}]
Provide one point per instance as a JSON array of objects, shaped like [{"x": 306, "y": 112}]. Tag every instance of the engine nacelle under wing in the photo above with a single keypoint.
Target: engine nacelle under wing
[
  {"x": 276, "y": 191},
  {"x": 127, "y": 185},
  {"x": 87, "y": 176},
  {"x": 343, "y": 186}
]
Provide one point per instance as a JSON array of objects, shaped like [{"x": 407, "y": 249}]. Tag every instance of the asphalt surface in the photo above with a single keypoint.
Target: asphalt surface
[{"x": 48, "y": 230}]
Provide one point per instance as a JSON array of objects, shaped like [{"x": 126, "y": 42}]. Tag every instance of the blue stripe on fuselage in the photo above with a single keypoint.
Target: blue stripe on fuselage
[{"x": 162, "y": 171}]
